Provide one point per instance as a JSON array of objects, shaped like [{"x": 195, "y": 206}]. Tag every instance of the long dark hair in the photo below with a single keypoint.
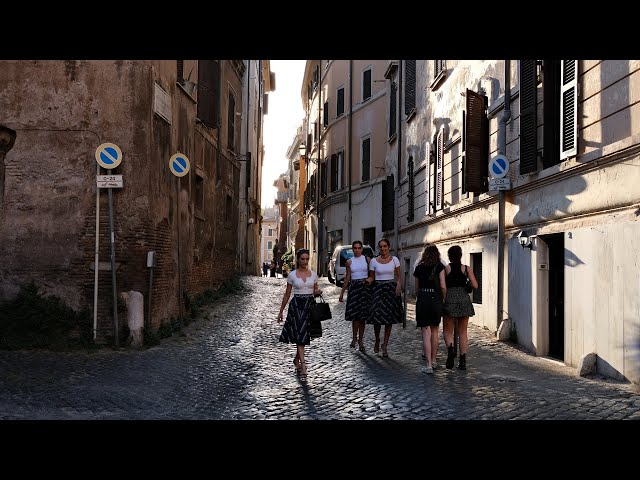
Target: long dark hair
[
  {"x": 430, "y": 256},
  {"x": 455, "y": 254}
]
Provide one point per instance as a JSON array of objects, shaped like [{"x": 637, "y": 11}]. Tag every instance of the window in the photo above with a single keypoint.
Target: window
[
  {"x": 438, "y": 181},
  {"x": 369, "y": 236},
  {"x": 439, "y": 67},
  {"x": 199, "y": 194},
  {"x": 228, "y": 210},
  {"x": 340, "y": 102},
  {"x": 410, "y": 191},
  {"x": 366, "y": 85},
  {"x": 409, "y": 87},
  {"x": 428, "y": 203},
  {"x": 476, "y": 147},
  {"x": 392, "y": 109},
  {"x": 325, "y": 114},
  {"x": 270, "y": 233},
  {"x": 476, "y": 266},
  {"x": 337, "y": 171},
  {"x": 366, "y": 159},
  {"x": 559, "y": 120},
  {"x": 231, "y": 123},
  {"x": 269, "y": 245},
  {"x": 208, "y": 92},
  {"x": 323, "y": 178},
  {"x": 388, "y": 203}
]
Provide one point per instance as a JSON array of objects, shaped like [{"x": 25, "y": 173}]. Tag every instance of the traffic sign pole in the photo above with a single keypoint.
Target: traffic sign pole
[{"x": 179, "y": 165}]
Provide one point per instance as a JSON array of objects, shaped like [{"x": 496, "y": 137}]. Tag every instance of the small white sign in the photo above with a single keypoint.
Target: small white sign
[
  {"x": 499, "y": 184},
  {"x": 109, "y": 181},
  {"x": 162, "y": 103}
]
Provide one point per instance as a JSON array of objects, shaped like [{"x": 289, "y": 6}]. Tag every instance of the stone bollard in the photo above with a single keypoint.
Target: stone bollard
[{"x": 135, "y": 317}]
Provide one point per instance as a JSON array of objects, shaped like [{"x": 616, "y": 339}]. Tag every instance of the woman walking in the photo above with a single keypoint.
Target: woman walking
[
  {"x": 431, "y": 290},
  {"x": 458, "y": 306},
  {"x": 386, "y": 305},
  {"x": 297, "y": 327},
  {"x": 358, "y": 299}
]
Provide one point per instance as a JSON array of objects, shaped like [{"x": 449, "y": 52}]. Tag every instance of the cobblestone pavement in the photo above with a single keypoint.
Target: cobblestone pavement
[{"x": 230, "y": 365}]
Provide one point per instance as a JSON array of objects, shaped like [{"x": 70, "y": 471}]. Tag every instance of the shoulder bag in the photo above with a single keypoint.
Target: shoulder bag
[{"x": 320, "y": 310}]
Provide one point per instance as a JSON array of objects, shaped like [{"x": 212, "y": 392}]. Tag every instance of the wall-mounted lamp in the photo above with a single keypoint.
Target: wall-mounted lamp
[
  {"x": 525, "y": 240},
  {"x": 251, "y": 221},
  {"x": 302, "y": 149}
]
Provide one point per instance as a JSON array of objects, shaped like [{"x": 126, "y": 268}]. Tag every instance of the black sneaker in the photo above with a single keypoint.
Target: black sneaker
[
  {"x": 462, "y": 363},
  {"x": 450, "y": 357}
]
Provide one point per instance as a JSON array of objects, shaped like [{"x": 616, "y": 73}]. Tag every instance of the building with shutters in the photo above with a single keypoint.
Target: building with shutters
[
  {"x": 345, "y": 111},
  {"x": 297, "y": 171},
  {"x": 571, "y": 237},
  {"x": 61, "y": 111}
]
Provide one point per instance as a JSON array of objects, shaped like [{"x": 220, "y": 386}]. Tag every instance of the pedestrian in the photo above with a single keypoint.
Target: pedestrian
[
  {"x": 386, "y": 305},
  {"x": 358, "y": 299},
  {"x": 272, "y": 269},
  {"x": 297, "y": 327},
  {"x": 265, "y": 268},
  {"x": 458, "y": 306},
  {"x": 431, "y": 290}
]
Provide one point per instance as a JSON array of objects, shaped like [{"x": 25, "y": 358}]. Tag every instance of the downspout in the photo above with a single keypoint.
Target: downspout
[
  {"x": 397, "y": 188},
  {"x": 349, "y": 143},
  {"x": 247, "y": 173},
  {"x": 502, "y": 150}
]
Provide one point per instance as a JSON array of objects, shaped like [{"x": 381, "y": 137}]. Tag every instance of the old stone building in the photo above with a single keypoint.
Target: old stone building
[{"x": 61, "y": 111}]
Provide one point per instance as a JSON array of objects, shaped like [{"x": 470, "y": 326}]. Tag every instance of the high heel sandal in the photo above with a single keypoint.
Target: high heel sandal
[
  {"x": 376, "y": 347},
  {"x": 384, "y": 350},
  {"x": 296, "y": 364},
  {"x": 303, "y": 373},
  {"x": 353, "y": 344},
  {"x": 361, "y": 348}
]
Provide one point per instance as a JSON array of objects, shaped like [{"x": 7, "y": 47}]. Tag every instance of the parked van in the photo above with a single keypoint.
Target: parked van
[{"x": 338, "y": 262}]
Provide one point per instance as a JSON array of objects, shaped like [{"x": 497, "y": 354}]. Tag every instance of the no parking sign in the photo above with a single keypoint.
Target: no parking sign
[
  {"x": 108, "y": 155},
  {"x": 179, "y": 165}
]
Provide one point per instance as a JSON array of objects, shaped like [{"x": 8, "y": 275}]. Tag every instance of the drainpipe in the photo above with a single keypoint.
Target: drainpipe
[
  {"x": 502, "y": 149},
  {"x": 349, "y": 142},
  {"x": 247, "y": 174},
  {"x": 396, "y": 199}
]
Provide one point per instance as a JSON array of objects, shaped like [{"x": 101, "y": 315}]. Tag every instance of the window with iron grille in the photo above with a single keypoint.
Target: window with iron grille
[
  {"x": 476, "y": 265},
  {"x": 366, "y": 85},
  {"x": 392, "y": 109},
  {"x": 410, "y": 191},
  {"x": 340, "y": 102},
  {"x": 409, "y": 86},
  {"x": 366, "y": 159}
]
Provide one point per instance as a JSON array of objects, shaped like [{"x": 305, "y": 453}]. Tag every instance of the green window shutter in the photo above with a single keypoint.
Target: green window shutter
[{"x": 528, "y": 116}]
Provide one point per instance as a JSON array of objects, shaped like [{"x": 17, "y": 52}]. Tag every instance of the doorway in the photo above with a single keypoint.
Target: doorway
[{"x": 556, "y": 294}]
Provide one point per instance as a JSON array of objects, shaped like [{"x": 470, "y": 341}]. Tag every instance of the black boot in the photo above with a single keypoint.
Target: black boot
[
  {"x": 450, "y": 357},
  {"x": 462, "y": 364}
]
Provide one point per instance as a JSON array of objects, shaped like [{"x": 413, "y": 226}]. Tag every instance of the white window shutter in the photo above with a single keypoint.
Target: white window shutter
[
  {"x": 427, "y": 177},
  {"x": 568, "y": 109},
  {"x": 438, "y": 193}
]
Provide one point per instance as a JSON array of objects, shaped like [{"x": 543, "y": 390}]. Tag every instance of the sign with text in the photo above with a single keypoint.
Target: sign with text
[
  {"x": 109, "y": 181},
  {"x": 499, "y": 184}
]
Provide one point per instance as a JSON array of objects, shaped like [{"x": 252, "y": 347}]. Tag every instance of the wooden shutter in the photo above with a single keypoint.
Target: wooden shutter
[
  {"x": 366, "y": 159},
  {"x": 477, "y": 143},
  {"x": 366, "y": 85},
  {"x": 208, "y": 90},
  {"x": 231, "y": 123},
  {"x": 411, "y": 191},
  {"x": 528, "y": 116},
  {"x": 334, "y": 172},
  {"x": 323, "y": 179},
  {"x": 392, "y": 109},
  {"x": 341, "y": 179},
  {"x": 388, "y": 197},
  {"x": 439, "y": 180},
  {"x": 463, "y": 156},
  {"x": 325, "y": 114},
  {"x": 180, "y": 70},
  {"x": 427, "y": 177},
  {"x": 340, "y": 102},
  {"x": 569, "y": 109},
  {"x": 409, "y": 86}
]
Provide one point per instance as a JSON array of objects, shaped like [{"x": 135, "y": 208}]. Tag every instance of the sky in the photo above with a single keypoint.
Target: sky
[{"x": 281, "y": 123}]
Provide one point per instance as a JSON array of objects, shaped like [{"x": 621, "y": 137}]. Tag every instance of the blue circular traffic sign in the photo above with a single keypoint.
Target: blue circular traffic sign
[
  {"x": 179, "y": 165},
  {"x": 108, "y": 155},
  {"x": 499, "y": 166}
]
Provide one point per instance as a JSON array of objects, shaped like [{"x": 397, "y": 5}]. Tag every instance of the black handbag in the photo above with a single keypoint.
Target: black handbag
[
  {"x": 320, "y": 310},
  {"x": 467, "y": 285}
]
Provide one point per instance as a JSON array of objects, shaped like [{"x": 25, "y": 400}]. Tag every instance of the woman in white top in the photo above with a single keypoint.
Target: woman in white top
[
  {"x": 359, "y": 299},
  {"x": 386, "y": 305},
  {"x": 297, "y": 327}
]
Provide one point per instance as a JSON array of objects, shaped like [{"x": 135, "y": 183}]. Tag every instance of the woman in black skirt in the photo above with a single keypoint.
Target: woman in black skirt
[
  {"x": 386, "y": 304},
  {"x": 431, "y": 291},
  {"x": 297, "y": 327},
  {"x": 457, "y": 306},
  {"x": 359, "y": 299}
]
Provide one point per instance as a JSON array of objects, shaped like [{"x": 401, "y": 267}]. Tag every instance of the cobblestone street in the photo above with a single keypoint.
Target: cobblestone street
[{"x": 230, "y": 365}]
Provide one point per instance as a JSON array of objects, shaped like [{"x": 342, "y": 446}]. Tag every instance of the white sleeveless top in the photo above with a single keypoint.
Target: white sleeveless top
[
  {"x": 300, "y": 287},
  {"x": 384, "y": 271},
  {"x": 359, "y": 268}
]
